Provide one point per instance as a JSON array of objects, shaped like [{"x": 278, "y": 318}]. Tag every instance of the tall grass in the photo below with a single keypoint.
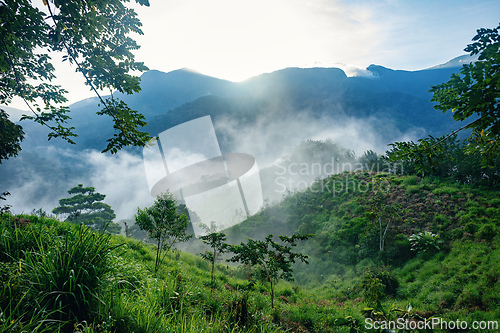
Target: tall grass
[
  {"x": 18, "y": 320},
  {"x": 58, "y": 277},
  {"x": 65, "y": 277},
  {"x": 23, "y": 233}
]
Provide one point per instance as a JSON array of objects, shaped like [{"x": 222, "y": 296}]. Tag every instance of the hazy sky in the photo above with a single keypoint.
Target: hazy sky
[{"x": 237, "y": 39}]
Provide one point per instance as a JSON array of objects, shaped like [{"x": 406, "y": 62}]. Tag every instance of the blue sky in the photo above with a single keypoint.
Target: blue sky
[{"x": 237, "y": 39}]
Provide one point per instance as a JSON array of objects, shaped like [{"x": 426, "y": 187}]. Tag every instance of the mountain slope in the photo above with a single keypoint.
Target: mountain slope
[
  {"x": 448, "y": 273},
  {"x": 265, "y": 116},
  {"x": 399, "y": 98}
]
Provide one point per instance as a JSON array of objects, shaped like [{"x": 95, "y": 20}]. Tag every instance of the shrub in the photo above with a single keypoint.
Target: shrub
[
  {"x": 441, "y": 220},
  {"x": 65, "y": 277},
  {"x": 486, "y": 232},
  {"x": 410, "y": 180},
  {"x": 397, "y": 252},
  {"x": 412, "y": 189},
  {"x": 425, "y": 242},
  {"x": 287, "y": 292},
  {"x": 445, "y": 190},
  {"x": 470, "y": 228},
  {"x": 373, "y": 289},
  {"x": 378, "y": 284}
]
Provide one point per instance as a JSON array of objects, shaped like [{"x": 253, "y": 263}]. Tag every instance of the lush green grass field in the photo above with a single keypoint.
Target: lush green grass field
[{"x": 63, "y": 277}]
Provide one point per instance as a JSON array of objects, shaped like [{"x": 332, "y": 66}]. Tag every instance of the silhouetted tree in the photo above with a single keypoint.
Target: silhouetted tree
[{"x": 85, "y": 207}]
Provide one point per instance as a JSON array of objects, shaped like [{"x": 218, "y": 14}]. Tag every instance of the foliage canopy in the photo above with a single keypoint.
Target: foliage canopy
[
  {"x": 93, "y": 35},
  {"x": 11, "y": 136},
  {"x": 217, "y": 243},
  {"x": 475, "y": 93},
  {"x": 274, "y": 258},
  {"x": 164, "y": 224}
]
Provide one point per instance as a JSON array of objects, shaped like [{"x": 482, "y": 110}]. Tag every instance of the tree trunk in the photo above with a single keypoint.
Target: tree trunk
[
  {"x": 272, "y": 293},
  {"x": 382, "y": 236},
  {"x": 157, "y": 256},
  {"x": 213, "y": 266}
]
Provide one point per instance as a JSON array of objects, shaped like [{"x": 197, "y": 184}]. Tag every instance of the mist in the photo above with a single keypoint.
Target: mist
[{"x": 38, "y": 179}]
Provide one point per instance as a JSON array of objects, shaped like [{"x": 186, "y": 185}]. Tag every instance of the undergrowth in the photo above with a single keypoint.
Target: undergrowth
[{"x": 60, "y": 277}]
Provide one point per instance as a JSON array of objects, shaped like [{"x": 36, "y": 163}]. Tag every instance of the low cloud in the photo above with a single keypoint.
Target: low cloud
[
  {"x": 39, "y": 180},
  {"x": 120, "y": 177}
]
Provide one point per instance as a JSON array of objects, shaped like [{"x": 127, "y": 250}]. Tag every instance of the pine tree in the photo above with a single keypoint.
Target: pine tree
[{"x": 86, "y": 207}]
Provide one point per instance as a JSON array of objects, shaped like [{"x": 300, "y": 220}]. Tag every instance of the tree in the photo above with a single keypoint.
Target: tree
[
  {"x": 4, "y": 209},
  {"x": 85, "y": 207},
  {"x": 372, "y": 161},
  {"x": 93, "y": 35},
  {"x": 426, "y": 156},
  {"x": 274, "y": 259},
  {"x": 164, "y": 224},
  {"x": 217, "y": 242},
  {"x": 475, "y": 93},
  {"x": 382, "y": 209},
  {"x": 11, "y": 136},
  {"x": 445, "y": 157}
]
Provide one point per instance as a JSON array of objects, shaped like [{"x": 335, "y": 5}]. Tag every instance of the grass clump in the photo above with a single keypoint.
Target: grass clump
[{"x": 65, "y": 277}]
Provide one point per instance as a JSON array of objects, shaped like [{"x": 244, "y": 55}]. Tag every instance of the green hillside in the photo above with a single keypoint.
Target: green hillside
[
  {"x": 61, "y": 277},
  {"x": 454, "y": 274}
]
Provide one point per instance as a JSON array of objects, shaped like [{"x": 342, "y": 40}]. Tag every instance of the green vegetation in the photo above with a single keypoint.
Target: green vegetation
[
  {"x": 85, "y": 207},
  {"x": 441, "y": 222},
  {"x": 62, "y": 276},
  {"x": 163, "y": 224},
  {"x": 474, "y": 93},
  {"x": 217, "y": 244},
  {"x": 101, "y": 52},
  {"x": 273, "y": 260},
  {"x": 415, "y": 245},
  {"x": 424, "y": 242},
  {"x": 10, "y": 140}
]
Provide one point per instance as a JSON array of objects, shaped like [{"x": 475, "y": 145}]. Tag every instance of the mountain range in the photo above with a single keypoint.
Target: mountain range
[
  {"x": 265, "y": 116},
  {"x": 395, "y": 101}
]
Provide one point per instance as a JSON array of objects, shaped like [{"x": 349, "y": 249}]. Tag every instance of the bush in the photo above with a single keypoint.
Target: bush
[
  {"x": 412, "y": 189},
  {"x": 486, "y": 232},
  {"x": 389, "y": 283},
  {"x": 425, "y": 242},
  {"x": 373, "y": 289},
  {"x": 65, "y": 277},
  {"x": 410, "y": 180},
  {"x": 445, "y": 190},
  {"x": 470, "y": 228}
]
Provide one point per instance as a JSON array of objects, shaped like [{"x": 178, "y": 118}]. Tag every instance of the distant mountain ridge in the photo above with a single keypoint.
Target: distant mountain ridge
[
  {"x": 265, "y": 116},
  {"x": 398, "y": 98}
]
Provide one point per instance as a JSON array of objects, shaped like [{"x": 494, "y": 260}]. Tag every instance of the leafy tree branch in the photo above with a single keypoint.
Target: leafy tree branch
[{"x": 94, "y": 35}]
